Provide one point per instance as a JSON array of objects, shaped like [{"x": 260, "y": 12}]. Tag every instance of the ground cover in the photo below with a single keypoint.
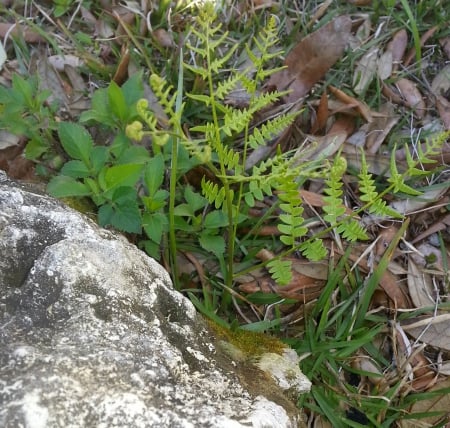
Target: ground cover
[{"x": 310, "y": 201}]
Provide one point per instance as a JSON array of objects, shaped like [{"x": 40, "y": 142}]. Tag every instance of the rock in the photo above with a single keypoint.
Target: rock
[{"x": 92, "y": 334}]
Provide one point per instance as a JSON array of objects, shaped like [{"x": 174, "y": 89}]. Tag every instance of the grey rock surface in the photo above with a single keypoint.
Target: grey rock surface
[{"x": 92, "y": 333}]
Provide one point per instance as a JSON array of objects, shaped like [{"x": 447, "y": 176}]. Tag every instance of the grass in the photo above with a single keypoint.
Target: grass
[{"x": 347, "y": 339}]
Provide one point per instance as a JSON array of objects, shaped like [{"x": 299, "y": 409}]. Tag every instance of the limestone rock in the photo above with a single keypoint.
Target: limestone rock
[{"x": 92, "y": 333}]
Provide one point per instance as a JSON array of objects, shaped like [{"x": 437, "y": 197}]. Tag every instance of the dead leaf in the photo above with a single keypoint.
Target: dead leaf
[
  {"x": 443, "y": 107},
  {"x": 425, "y": 37},
  {"x": 308, "y": 62},
  {"x": 433, "y": 331},
  {"x": 435, "y": 403},
  {"x": 411, "y": 96},
  {"x": 380, "y": 127},
  {"x": 163, "y": 38},
  {"x": 445, "y": 43},
  {"x": 412, "y": 205},
  {"x": 359, "y": 105},
  {"x": 385, "y": 65},
  {"x": 442, "y": 224},
  {"x": 28, "y": 34},
  {"x": 397, "y": 46},
  {"x": 365, "y": 71},
  {"x": 60, "y": 61},
  {"x": 420, "y": 286},
  {"x": 322, "y": 114}
]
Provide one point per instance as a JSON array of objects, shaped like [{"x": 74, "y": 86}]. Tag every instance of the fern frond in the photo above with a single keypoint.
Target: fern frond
[
  {"x": 236, "y": 120},
  {"x": 334, "y": 206},
  {"x": 313, "y": 250},
  {"x": 398, "y": 180},
  {"x": 280, "y": 270},
  {"x": 218, "y": 63},
  {"x": 270, "y": 129},
  {"x": 291, "y": 225},
  {"x": 226, "y": 86},
  {"x": 199, "y": 71},
  {"x": 352, "y": 230},
  {"x": 369, "y": 194},
  {"x": 214, "y": 193},
  {"x": 165, "y": 96}
]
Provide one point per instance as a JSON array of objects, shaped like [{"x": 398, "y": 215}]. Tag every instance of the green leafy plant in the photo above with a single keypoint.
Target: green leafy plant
[
  {"x": 25, "y": 111},
  {"x": 129, "y": 184}
]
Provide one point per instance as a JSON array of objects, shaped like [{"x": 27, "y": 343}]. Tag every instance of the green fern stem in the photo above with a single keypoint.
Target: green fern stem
[{"x": 225, "y": 183}]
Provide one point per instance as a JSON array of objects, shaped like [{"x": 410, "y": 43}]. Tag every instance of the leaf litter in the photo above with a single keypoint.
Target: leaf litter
[{"x": 336, "y": 119}]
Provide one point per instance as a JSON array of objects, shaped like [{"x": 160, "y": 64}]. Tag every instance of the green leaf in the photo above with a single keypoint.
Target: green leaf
[
  {"x": 155, "y": 225},
  {"x": 134, "y": 154},
  {"x": 36, "y": 148},
  {"x": 122, "y": 212},
  {"x": 154, "y": 174},
  {"x": 215, "y": 220},
  {"x": 62, "y": 186},
  {"x": 194, "y": 199},
  {"x": 122, "y": 175},
  {"x": 99, "y": 156},
  {"x": 117, "y": 101},
  {"x": 76, "y": 141},
  {"x": 133, "y": 90},
  {"x": 213, "y": 243},
  {"x": 75, "y": 169},
  {"x": 314, "y": 250},
  {"x": 100, "y": 111},
  {"x": 280, "y": 270}
]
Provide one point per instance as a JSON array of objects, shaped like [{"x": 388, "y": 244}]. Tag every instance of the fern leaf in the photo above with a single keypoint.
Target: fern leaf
[
  {"x": 398, "y": 180},
  {"x": 280, "y": 270},
  {"x": 226, "y": 86},
  {"x": 291, "y": 225},
  {"x": 352, "y": 230},
  {"x": 313, "y": 250},
  {"x": 270, "y": 130},
  {"x": 370, "y": 195}
]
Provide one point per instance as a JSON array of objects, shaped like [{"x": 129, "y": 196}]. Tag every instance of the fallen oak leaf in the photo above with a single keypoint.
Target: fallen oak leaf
[
  {"x": 29, "y": 35},
  {"x": 359, "y": 105},
  {"x": 310, "y": 59}
]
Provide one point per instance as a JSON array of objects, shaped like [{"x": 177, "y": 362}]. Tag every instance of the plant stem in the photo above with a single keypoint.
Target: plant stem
[{"x": 174, "y": 178}]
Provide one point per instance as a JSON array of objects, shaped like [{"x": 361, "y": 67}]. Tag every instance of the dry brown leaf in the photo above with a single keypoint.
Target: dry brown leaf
[
  {"x": 445, "y": 43},
  {"x": 50, "y": 79},
  {"x": 308, "y": 62},
  {"x": 163, "y": 38},
  {"x": 420, "y": 285},
  {"x": 28, "y": 34},
  {"x": 433, "y": 331},
  {"x": 365, "y": 71},
  {"x": 61, "y": 61},
  {"x": 359, "y": 105},
  {"x": 385, "y": 65},
  {"x": 397, "y": 46},
  {"x": 436, "y": 403},
  {"x": 425, "y": 37},
  {"x": 440, "y": 85},
  {"x": 380, "y": 127},
  {"x": 411, "y": 96},
  {"x": 442, "y": 224},
  {"x": 322, "y": 114},
  {"x": 443, "y": 107},
  {"x": 412, "y": 205}
]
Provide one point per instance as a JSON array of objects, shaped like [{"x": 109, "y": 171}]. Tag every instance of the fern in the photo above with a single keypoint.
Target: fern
[
  {"x": 376, "y": 205},
  {"x": 280, "y": 270},
  {"x": 211, "y": 142},
  {"x": 334, "y": 207}
]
